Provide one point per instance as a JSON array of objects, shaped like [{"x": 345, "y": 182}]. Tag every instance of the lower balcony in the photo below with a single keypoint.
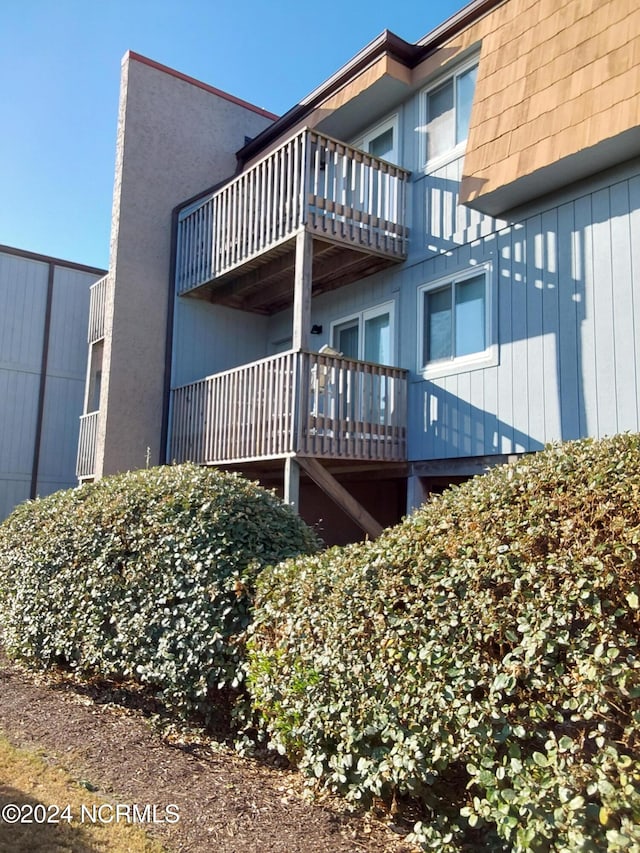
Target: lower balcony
[
  {"x": 86, "y": 461},
  {"x": 293, "y": 404}
]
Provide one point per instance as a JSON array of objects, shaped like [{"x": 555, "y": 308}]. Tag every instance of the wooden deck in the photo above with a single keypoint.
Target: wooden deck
[
  {"x": 292, "y": 404},
  {"x": 236, "y": 245}
]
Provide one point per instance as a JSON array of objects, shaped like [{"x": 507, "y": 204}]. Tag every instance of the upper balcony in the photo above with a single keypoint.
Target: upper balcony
[
  {"x": 236, "y": 246},
  {"x": 97, "y": 308}
]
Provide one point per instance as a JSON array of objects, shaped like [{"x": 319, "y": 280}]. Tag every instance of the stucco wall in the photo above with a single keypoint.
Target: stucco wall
[{"x": 176, "y": 137}]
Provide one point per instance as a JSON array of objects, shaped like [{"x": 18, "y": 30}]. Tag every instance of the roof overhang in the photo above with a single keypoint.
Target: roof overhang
[{"x": 381, "y": 69}]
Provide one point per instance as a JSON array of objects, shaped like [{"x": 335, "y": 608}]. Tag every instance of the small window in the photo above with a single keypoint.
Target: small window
[
  {"x": 456, "y": 323},
  {"x": 447, "y": 114},
  {"x": 367, "y": 336},
  {"x": 382, "y": 140}
]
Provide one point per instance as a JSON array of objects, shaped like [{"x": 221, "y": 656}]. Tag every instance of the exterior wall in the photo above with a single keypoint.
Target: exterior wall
[
  {"x": 567, "y": 279},
  {"x": 557, "y": 96},
  {"x": 175, "y": 138},
  {"x": 44, "y": 309},
  {"x": 212, "y": 338},
  {"x": 565, "y": 271}
]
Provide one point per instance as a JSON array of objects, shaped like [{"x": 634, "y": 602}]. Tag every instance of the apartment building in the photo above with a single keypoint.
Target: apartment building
[{"x": 428, "y": 266}]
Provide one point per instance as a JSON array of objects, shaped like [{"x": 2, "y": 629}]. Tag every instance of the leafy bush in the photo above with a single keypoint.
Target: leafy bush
[
  {"x": 148, "y": 576},
  {"x": 481, "y": 658}
]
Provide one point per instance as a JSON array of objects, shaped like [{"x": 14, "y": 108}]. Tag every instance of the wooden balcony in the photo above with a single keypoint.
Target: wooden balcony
[
  {"x": 97, "y": 307},
  {"x": 85, "y": 465},
  {"x": 293, "y": 404},
  {"x": 236, "y": 246}
]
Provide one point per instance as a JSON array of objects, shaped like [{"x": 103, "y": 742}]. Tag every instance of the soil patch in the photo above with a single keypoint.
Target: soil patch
[{"x": 227, "y": 804}]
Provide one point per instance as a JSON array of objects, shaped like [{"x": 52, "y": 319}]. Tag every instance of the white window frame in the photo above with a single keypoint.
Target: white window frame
[
  {"x": 391, "y": 123},
  {"x": 459, "y": 149},
  {"x": 488, "y": 357},
  {"x": 361, "y": 317}
]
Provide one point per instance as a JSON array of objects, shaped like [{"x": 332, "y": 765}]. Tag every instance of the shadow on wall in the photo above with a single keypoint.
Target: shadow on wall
[
  {"x": 458, "y": 429},
  {"x": 565, "y": 325}
]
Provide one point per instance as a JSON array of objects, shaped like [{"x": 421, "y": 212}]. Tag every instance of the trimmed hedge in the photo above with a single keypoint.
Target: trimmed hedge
[
  {"x": 481, "y": 658},
  {"x": 146, "y": 576}
]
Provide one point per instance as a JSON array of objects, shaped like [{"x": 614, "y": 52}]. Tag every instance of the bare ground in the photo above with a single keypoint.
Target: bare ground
[{"x": 227, "y": 804}]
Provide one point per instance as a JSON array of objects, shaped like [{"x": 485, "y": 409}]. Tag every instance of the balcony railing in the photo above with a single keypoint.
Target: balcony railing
[
  {"x": 85, "y": 465},
  {"x": 312, "y": 181},
  {"x": 301, "y": 403},
  {"x": 97, "y": 307}
]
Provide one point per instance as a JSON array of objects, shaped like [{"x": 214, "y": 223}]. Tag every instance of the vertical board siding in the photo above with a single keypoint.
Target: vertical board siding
[
  {"x": 588, "y": 368},
  {"x": 568, "y": 344},
  {"x": 23, "y": 303},
  {"x": 23, "y": 299},
  {"x": 551, "y": 312},
  {"x": 568, "y": 289},
  {"x": 625, "y": 344},
  {"x": 504, "y": 377},
  {"x": 634, "y": 230},
  {"x": 69, "y": 319},
  {"x": 65, "y": 380},
  {"x": 18, "y": 414},
  {"x": 239, "y": 338},
  {"x": 444, "y": 222},
  {"x": 62, "y": 407},
  {"x": 606, "y": 391}
]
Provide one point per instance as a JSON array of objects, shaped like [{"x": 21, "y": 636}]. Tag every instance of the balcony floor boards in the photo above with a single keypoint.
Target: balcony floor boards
[{"x": 265, "y": 285}]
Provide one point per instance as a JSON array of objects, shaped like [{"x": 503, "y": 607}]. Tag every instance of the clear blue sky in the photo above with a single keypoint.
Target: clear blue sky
[{"x": 60, "y": 74}]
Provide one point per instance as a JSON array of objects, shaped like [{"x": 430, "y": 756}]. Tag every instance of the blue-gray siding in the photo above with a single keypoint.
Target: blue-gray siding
[
  {"x": 567, "y": 283},
  {"x": 23, "y": 302}
]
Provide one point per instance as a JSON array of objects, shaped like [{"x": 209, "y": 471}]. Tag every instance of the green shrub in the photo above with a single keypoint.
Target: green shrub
[
  {"x": 146, "y": 576},
  {"x": 481, "y": 658}
]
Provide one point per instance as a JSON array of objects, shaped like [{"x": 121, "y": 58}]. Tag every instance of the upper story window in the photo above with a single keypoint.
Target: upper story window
[
  {"x": 447, "y": 112},
  {"x": 456, "y": 317},
  {"x": 382, "y": 140}
]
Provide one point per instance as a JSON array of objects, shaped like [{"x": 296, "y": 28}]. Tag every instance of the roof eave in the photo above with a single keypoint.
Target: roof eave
[{"x": 386, "y": 43}]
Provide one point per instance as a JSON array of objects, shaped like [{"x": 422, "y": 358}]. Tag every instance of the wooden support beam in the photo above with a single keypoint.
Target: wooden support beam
[
  {"x": 292, "y": 483},
  {"x": 340, "y": 495},
  {"x": 302, "y": 291}
]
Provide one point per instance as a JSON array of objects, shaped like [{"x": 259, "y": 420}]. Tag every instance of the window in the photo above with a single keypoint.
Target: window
[
  {"x": 382, "y": 140},
  {"x": 375, "y": 191},
  {"x": 456, "y": 324},
  {"x": 447, "y": 113},
  {"x": 367, "y": 336}
]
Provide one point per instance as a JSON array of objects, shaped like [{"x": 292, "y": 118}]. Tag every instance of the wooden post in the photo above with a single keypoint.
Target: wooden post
[
  {"x": 292, "y": 483},
  {"x": 416, "y": 493},
  {"x": 302, "y": 291},
  {"x": 341, "y": 496}
]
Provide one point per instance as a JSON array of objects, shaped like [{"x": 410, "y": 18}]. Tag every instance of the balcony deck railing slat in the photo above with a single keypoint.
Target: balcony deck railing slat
[
  {"x": 86, "y": 459},
  {"x": 97, "y": 308},
  {"x": 295, "y": 402},
  {"x": 310, "y": 181}
]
